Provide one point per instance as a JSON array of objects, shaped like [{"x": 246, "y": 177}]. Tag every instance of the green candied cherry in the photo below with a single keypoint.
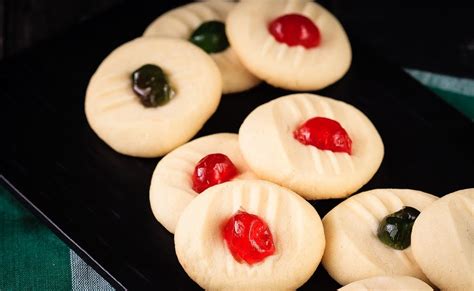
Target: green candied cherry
[
  {"x": 210, "y": 36},
  {"x": 395, "y": 229},
  {"x": 151, "y": 86}
]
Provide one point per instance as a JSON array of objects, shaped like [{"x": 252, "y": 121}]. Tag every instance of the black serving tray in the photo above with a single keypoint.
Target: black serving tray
[{"x": 96, "y": 200}]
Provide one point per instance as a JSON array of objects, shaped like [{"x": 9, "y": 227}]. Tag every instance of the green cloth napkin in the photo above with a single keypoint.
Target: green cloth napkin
[{"x": 33, "y": 258}]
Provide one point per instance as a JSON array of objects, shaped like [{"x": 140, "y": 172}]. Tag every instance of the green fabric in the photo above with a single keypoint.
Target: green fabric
[
  {"x": 458, "y": 92},
  {"x": 31, "y": 256},
  {"x": 461, "y": 102}
]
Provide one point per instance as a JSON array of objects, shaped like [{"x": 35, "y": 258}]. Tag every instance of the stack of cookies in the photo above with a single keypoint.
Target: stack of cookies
[{"x": 237, "y": 203}]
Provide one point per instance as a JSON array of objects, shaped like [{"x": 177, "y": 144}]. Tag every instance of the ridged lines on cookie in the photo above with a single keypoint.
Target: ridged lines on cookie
[
  {"x": 179, "y": 162},
  {"x": 358, "y": 209},
  {"x": 178, "y": 170},
  {"x": 298, "y": 55},
  {"x": 118, "y": 104},
  {"x": 373, "y": 203},
  {"x": 118, "y": 92},
  {"x": 206, "y": 12},
  {"x": 334, "y": 163},
  {"x": 382, "y": 202},
  {"x": 268, "y": 43},
  {"x": 273, "y": 204},
  {"x": 204, "y": 251},
  {"x": 301, "y": 108},
  {"x": 392, "y": 203},
  {"x": 187, "y": 17},
  {"x": 281, "y": 52},
  {"x": 258, "y": 201},
  {"x": 188, "y": 157},
  {"x": 326, "y": 109},
  {"x": 309, "y": 10},
  {"x": 112, "y": 77},
  {"x": 226, "y": 60},
  {"x": 459, "y": 211},
  {"x": 237, "y": 201},
  {"x": 292, "y": 6}
]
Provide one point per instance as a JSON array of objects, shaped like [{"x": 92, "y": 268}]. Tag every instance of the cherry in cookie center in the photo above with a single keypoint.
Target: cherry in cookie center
[
  {"x": 211, "y": 170},
  {"x": 151, "y": 85},
  {"x": 210, "y": 36},
  {"x": 325, "y": 134},
  {"x": 295, "y": 29},
  {"x": 248, "y": 238}
]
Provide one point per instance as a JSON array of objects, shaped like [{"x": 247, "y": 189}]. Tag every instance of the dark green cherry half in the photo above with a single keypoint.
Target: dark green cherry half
[
  {"x": 151, "y": 86},
  {"x": 395, "y": 229},
  {"x": 210, "y": 36}
]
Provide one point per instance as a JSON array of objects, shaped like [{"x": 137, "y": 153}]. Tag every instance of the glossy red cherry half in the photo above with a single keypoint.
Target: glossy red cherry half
[
  {"x": 211, "y": 170},
  {"x": 325, "y": 134},
  {"x": 248, "y": 238},
  {"x": 295, "y": 29}
]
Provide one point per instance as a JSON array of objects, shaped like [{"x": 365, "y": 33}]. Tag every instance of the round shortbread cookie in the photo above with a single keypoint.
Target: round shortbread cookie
[
  {"x": 171, "y": 185},
  {"x": 295, "y": 225},
  {"x": 382, "y": 283},
  {"x": 296, "y": 67},
  {"x": 267, "y": 143},
  {"x": 181, "y": 22},
  {"x": 116, "y": 114},
  {"x": 353, "y": 251},
  {"x": 443, "y": 241}
]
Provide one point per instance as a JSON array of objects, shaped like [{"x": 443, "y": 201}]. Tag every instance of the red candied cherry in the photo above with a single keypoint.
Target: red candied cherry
[
  {"x": 325, "y": 134},
  {"x": 295, "y": 29},
  {"x": 211, "y": 170},
  {"x": 248, "y": 238}
]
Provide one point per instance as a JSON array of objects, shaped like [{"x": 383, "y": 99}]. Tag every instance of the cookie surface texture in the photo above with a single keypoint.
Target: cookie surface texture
[
  {"x": 291, "y": 67},
  {"x": 353, "y": 251},
  {"x": 118, "y": 117},
  {"x": 443, "y": 241},
  {"x": 295, "y": 225},
  {"x": 383, "y": 283},
  {"x": 171, "y": 185},
  {"x": 181, "y": 22},
  {"x": 269, "y": 147}
]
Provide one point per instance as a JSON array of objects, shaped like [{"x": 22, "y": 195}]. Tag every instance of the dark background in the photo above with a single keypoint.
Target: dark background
[{"x": 430, "y": 36}]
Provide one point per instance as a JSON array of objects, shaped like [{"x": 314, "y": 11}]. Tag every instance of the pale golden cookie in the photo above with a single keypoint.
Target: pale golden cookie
[
  {"x": 443, "y": 241},
  {"x": 269, "y": 147},
  {"x": 181, "y": 22},
  {"x": 353, "y": 251},
  {"x": 171, "y": 185},
  {"x": 295, "y": 67},
  {"x": 384, "y": 283},
  {"x": 295, "y": 225},
  {"x": 118, "y": 117}
]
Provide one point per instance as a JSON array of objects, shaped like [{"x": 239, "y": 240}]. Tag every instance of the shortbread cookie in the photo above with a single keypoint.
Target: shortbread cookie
[
  {"x": 354, "y": 250},
  {"x": 151, "y": 95},
  {"x": 171, "y": 187},
  {"x": 183, "y": 21},
  {"x": 249, "y": 235},
  {"x": 383, "y": 283},
  {"x": 443, "y": 241},
  {"x": 293, "y": 44},
  {"x": 270, "y": 142}
]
